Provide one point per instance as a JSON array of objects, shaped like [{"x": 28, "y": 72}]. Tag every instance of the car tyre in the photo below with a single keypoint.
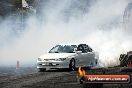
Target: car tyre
[{"x": 72, "y": 65}]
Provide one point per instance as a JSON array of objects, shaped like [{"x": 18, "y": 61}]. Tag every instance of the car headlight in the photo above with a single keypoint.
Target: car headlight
[
  {"x": 39, "y": 59},
  {"x": 61, "y": 59}
]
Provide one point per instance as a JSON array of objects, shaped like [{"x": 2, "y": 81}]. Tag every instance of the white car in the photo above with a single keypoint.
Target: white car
[{"x": 67, "y": 56}]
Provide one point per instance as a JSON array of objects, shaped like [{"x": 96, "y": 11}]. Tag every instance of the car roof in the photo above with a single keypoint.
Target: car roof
[
  {"x": 72, "y": 44},
  {"x": 67, "y": 44}
]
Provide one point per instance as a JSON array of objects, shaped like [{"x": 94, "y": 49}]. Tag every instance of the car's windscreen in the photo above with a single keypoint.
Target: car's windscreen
[{"x": 63, "y": 49}]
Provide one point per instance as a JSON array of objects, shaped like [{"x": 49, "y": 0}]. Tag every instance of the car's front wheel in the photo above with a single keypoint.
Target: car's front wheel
[{"x": 72, "y": 65}]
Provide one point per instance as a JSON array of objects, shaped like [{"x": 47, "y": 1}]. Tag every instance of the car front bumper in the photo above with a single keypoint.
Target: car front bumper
[{"x": 52, "y": 65}]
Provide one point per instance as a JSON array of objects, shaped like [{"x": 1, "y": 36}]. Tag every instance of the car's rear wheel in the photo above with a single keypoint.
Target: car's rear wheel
[
  {"x": 72, "y": 65},
  {"x": 42, "y": 69}
]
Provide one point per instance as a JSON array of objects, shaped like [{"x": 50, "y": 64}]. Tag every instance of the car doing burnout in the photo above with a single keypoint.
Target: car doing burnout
[{"x": 68, "y": 56}]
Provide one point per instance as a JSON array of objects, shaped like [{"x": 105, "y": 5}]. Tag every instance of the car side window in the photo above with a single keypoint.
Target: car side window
[
  {"x": 80, "y": 48},
  {"x": 84, "y": 48},
  {"x": 89, "y": 49}
]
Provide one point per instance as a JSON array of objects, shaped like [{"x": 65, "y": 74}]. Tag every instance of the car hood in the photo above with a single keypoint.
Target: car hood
[{"x": 56, "y": 55}]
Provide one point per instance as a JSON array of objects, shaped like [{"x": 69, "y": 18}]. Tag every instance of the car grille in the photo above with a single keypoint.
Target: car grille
[{"x": 49, "y": 59}]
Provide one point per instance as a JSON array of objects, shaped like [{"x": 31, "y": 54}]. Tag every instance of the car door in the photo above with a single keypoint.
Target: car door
[
  {"x": 79, "y": 58},
  {"x": 89, "y": 59},
  {"x": 85, "y": 58},
  {"x": 90, "y": 56}
]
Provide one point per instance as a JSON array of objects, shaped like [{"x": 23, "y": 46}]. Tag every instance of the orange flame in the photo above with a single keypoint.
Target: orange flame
[{"x": 81, "y": 71}]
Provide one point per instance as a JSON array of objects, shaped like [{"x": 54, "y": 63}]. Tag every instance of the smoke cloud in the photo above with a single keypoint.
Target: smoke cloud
[{"x": 97, "y": 23}]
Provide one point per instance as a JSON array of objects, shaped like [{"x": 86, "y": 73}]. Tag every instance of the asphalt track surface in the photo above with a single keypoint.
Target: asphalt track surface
[
  {"x": 36, "y": 79},
  {"x": 56, "y": 79}
]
